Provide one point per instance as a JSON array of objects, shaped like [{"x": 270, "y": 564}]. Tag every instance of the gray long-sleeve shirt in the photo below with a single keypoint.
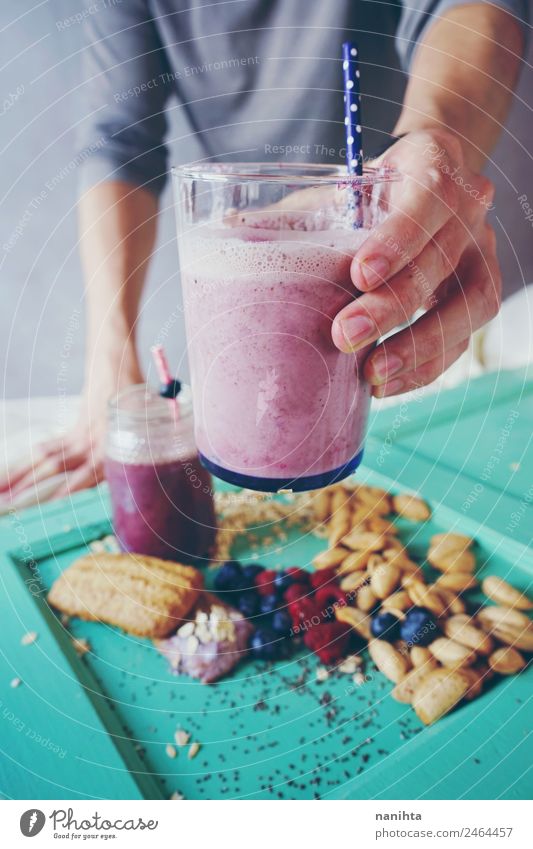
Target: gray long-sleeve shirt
[{"x": 257, "y": 79}]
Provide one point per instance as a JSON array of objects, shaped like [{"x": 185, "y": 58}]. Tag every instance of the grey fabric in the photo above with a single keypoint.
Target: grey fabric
[
  {"x": 418, "y": 15},
  {"x": 256, "y": 79}
]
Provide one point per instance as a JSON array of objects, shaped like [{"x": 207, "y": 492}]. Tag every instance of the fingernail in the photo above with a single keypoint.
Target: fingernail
[
  {"x": 389, "y": 388},
  {"x": 374, "y": 270},
  {"x": 357, "y": 330},
  {"x": 385, "y": 365}
]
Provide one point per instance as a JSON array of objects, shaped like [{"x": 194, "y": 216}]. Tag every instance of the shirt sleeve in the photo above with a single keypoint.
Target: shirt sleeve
[
  {"x": 417, "y": 16},
  {"x": 126, "y": 84}
]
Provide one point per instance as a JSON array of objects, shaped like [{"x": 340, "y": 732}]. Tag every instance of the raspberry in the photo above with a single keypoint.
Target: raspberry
[
  {"x": 327, "y": 598},
  {"x": 299, "y": 576},
  {"x": 329, "y": 640},
  {"x": 303, "y": 611},
  {"x": 264, "y": 582},
  {"x": 323, "y": 577},
  {"x": 296, "y": 592}
]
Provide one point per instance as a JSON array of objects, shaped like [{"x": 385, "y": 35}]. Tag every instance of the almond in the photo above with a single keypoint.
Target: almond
[
  {"x": 454, "y": 561},
  {"x": 411, "y": 507},
  {"x": 375, "y": 561},
  {"x": 421, "y": 655},
  {"x": 404, "y": 691},
  {"x": 356, "y": 619},
  {"x": 423, "y": 596},
  {"x": 495, "y": 615},
  {"x": 397, "y": 601},
  {"x": 339, "y": 526},
  {"x": 384, "y": 580},
  {"x": 388, "y": 660},
  {"x": 352, "y": 562},
  {"x": 394, "y": 544},
  {"x": 458, "y": 581},
  {"x": 353, "y": 581},
  {"x": 321, "y": 505},
  {"x": 340, "y": 498},
  {"x": 360, "y": 517},
  {"x": 438, "y": 693},
  {"x": 503, "y": 593},
  {"x": 508, "y": 626},
  {"x": 449, "y": 542},
  {"x": 377, "y": 499},
  {"x": 454, "y": 604},
  {"x": 466, "y": 633},
  {"x": 412, "y": 577},
  {"x": 519, "y": 639},
  {"x": 364, "y": 541},
  {"x": 329, "y": 558},
  {"x": 451, "y": 653},
  {"x": 507, "y": 661},
  {"x": 475, "y": 677},
  {"x": 382, "y": 526},
  {"x": 366, "y": 599}
]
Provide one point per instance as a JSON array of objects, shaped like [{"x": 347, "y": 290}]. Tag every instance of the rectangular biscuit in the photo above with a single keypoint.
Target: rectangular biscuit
[{"x": 142, "y": 595}]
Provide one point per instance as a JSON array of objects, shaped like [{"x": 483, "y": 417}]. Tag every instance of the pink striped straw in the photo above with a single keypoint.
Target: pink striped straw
[
  {"x": 161, "y": 364},
  {"x": 163, "y": 372}
]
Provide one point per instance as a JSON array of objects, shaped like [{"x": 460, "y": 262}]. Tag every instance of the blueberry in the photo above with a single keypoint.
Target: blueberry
[
  {"x": 266, "y": 644},
  {"x": 229, "y": 576},
  {"x": 281, "y": 622},
  {"x": 282, "y": 581},
  {"x": 385, "y": 626},
  {"x": 170, "y": 390},
  {"x": 285, "y": 648},
  {"x": 250, "y": 572},
  {"x": 248, "y": 603},
  {"x": 419, "y": 627},
  {"x": 269, "y": 603}
]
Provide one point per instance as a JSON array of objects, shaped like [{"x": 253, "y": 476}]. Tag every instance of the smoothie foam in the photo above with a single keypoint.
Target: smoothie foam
[{"x": 274, "y": 398}]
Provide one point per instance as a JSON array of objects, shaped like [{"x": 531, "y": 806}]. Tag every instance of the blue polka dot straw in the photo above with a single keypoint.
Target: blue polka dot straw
[{"x": 352, "y": 109}]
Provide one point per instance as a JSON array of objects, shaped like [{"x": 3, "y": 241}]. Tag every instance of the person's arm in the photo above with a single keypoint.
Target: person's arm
[
  {"x": 122, "y": 172},
  {"x": 436, "y": 250},
  {"x": 462, "y": 78},
  {"x": 117, "y": 224}
]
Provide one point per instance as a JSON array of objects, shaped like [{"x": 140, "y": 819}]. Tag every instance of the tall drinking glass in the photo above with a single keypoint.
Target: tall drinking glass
[{"x": 265, "y": 253}]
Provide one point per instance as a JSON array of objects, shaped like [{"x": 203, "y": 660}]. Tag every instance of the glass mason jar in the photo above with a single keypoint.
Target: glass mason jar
[
  {"x": 161, "y": 496},
  {"x": 265, "y": 254}
]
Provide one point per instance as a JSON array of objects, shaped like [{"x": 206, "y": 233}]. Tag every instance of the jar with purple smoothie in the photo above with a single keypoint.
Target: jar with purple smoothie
[{"x": 161, "y": 496}]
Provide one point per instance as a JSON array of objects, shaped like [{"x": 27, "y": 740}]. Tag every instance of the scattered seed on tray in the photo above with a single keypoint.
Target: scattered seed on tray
[
  {"x": 29, "y": 638},
  {"x": 181, "y": 737},
  {"x": 170, "y": 751},
  {"x": 81, "y": 645},
  {"x": 15, "y": 682},
  {"x": 350, "y": 665},
  {"x": 193, "y": 751}
]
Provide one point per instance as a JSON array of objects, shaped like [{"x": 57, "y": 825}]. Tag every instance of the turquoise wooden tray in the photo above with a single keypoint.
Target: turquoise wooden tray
[
  {"x": 269, "y": 731},
  {"x": 482, "y": 432}
]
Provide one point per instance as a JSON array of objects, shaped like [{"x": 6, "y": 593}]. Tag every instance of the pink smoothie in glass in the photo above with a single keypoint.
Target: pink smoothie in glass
[{"x": 276, "y": 403}]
